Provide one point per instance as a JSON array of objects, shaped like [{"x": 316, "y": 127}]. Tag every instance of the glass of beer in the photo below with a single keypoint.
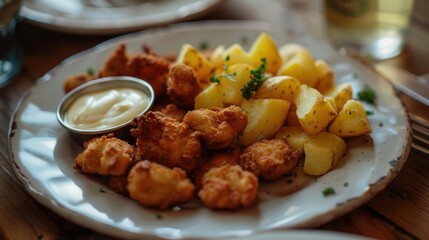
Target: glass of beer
[{"x": 374, "y": 28}]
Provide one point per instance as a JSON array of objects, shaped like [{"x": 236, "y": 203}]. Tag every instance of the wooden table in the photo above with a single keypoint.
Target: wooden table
[{"x": 401, "y": 211}]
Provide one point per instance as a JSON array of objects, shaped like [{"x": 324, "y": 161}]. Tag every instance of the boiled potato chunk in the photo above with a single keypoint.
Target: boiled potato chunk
[
  {"x": 236, "y": 54},
  {"x": 341, "y": 93},
  {"x": 296, "y": 137},
  {"x": 351, "y": 120},
  {"x": 301, "y": 67},
  {"x": 210, "y": 97},
  {"x": 265, "y": 47},
  {"x": 265, "y": 118},
  {"x": 239, "y": 75},
  {"x": 313, "y": 111},
  {"x": 191, "y": 57},
  {"x": 281, "y": 87},
  {"x": 332, "y": 101},
  {"x": 216, "y": 57},
  {"x": 322, "y": 152},
  {"x": 288, "y": 50},
  {"x": 325, "y": 75}
]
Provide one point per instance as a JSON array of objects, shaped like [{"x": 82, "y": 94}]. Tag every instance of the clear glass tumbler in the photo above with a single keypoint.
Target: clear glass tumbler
[
  {"x": 374, "y": 28},
  {"x": 10, "y": 54}
]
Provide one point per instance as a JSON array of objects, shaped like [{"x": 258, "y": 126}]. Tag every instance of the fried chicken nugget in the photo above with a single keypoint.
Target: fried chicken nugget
[
  {"x": 119, "y": 184},
  {"x": 269, "y": 159},
  {"x": 168, "y": 109},
  {"x": 218, "y": 127},
  {"x": 152, "y": 69},
  {"x": 182, "y": 85},
  {"x": 171, "y": 110},
  {"x": 105, "y": 155},
  {"x": 76, "y": 80},
  {"x": 154, "y": 185},
  {"x": 231, "y": 157},
  {"x": 116, "y": 63},
  {"x": 228, "y": 187},
  {"x": 166, "y": 141},
  {"x": 146, "y": 66}
]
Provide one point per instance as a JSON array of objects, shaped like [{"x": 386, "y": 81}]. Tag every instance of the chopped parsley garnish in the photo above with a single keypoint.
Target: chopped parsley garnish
[
  {"x": 90, "y": 71},
  {"x": 368, "y": 113},
  {"x": 215, "y": 79},
  {"x": 227, "y": 58},
  {"x": 230, "y": 76},
  {"x": 328, "y": 191},
  {"x": 367, "y": 95},
  {"x": 204, "y": 45},
  {"x": 380, "y": 124},
  {"x": 257, "y": 77}
]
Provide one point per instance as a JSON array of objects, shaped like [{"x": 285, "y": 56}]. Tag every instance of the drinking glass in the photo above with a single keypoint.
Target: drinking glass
[
  {"x": 10, "y": 55},
  {"x": 374, "y": 28}
]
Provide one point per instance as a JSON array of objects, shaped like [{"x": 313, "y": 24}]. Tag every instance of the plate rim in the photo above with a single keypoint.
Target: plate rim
[
  {"x": 319, "y": 219},
  {"x": 114, "y": 26}
]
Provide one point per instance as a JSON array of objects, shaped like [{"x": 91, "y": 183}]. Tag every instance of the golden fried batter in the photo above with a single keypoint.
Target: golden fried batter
[
  {"x": 269, "y": 159},
  {"x": 119, "y": 184},
  {"x": 228, "y": 187},
  {"x": 182, "y": 85},
  {"x": 152, "y": 69},
  {"x": 154, "y": 185},
  {"x": 116, "y": 63},
  {"x": 166, "y": 141},
  {"x": 218, "y": 127},
  {"x": 173, "y": 111},
  {"x": 231, "y": 157},
  {"x": 105, "y": 155},
  {"x": 146, "y": 66},
  {"x": 170, "y": 57},
  {"x": 76, "y": 80}
]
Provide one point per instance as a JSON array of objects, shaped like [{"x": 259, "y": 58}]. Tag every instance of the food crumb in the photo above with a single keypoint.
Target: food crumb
[{"x": 328, "y": 191}]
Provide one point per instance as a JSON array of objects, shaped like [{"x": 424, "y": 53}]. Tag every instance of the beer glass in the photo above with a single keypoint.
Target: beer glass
[{"x": 374, "y": 28}]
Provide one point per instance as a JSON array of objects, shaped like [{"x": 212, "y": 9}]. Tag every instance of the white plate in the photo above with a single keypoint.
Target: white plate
[
  {"x": 95, "y": 17},
  {"x": 304, "y": 235},
  {"x": 42, "y": 152}
]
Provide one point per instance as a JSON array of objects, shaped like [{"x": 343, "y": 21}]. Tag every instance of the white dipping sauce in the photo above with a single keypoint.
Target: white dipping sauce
[{"x": 105, "y": 109}]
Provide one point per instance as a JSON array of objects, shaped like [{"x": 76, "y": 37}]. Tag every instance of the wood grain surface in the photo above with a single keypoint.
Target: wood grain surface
[{"x": 401, "y": 211}]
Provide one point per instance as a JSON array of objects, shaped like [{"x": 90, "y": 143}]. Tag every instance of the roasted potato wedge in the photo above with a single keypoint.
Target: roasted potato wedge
[
  {"x": 313, "y": 111},
  {"x": 341, "y": 93},
  {"x": 236, "y": 54},
  {"x": 325, "y": 75},
  {"x": 191, "y": 57},
  {"x": 351, "y": 120},
  {"x": 296, "y": 137},
  {"x": 302, "y": 68},
  {"x": 232, "y": 81},
  {"x": 280, "y": 87},
  {"x": 322, "y": 153},
  {"x": 265, "y": 117},
  {"x": 211, "y": 96},
  {"x": 265, "y": 47}
]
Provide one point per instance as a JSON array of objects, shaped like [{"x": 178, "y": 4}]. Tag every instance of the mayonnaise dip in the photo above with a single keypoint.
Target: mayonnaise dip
[{"x": 106, "y": 108}]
